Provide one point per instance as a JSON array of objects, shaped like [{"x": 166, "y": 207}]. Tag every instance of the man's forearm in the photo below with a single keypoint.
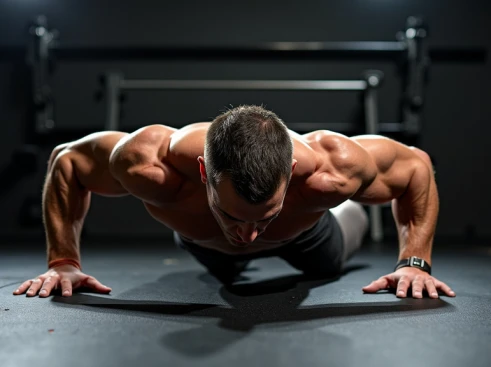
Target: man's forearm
[
  {"x": 65, "y": 204},
  {"x": 416, "y": 214}
]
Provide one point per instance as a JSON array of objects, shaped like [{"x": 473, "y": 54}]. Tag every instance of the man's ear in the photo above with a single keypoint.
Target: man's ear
[
  {"x": 294, "y": 164},
  {"x": 202, "y": 169}
]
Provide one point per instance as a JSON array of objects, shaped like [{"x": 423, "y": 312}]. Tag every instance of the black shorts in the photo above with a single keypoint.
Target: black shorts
[{"x": 317, "y": 251}]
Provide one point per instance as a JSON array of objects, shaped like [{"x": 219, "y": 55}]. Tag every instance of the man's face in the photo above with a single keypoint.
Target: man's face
[{"x": 240, "y": 221}]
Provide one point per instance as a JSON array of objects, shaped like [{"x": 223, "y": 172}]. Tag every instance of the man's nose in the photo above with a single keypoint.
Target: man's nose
[{"x": 247, "y": 232}]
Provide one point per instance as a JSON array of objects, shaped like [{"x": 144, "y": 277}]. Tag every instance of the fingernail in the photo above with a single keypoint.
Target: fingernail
[
  {"x": 400, "y": 293},
  {"x": 66, "y": 293},
  {"x": 417, "y": 293},
  {"x": 434, "y": 294},
  {"x": 43, "y": 292},
  {"x": 16, "y": 291},
  {"x": 452, "y": 292}
]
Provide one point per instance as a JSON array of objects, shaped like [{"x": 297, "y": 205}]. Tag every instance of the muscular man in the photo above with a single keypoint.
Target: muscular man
[{"x": 245, "y": 187}]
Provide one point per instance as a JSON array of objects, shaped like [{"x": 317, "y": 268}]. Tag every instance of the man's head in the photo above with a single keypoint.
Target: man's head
[{"x": 247, "y": 168}]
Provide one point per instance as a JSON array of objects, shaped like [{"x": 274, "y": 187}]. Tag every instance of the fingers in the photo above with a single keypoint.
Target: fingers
[
  {"x": 48, "y": 286},
  {"x": 96, "y": 285},
  {"x": 66, "y": 287},
  {"x": 430, "y": 288},
  {"x": 23, "y": 287},
  {"x": 34, "y": 288},
  {"x": 44, "y": 284},
  {"x": 376, "y": 285},
  {"x": 418, "y": 286},
  {"x": 402, "y": 286},
  {"x": 421, "y": 283},
  {"x": 444, "y": 288}
]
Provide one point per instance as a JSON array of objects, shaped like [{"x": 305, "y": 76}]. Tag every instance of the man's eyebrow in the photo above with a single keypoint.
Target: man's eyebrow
[
  {"x": 228, "y": 215},
  {"x": 238, "y": 220}
]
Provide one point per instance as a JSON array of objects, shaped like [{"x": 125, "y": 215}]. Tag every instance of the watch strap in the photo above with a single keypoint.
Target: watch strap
[{"x": 414, "y": 262}]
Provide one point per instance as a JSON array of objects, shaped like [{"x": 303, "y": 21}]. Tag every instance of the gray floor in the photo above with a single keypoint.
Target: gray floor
[{"x": 165, "y": 310}]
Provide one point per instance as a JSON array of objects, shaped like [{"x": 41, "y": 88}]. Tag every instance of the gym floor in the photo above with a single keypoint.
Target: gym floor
[{"x": 166, "y": 310}]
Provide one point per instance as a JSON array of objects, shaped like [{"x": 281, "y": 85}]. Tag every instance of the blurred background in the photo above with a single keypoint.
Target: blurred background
[{"x": 435, "y": 91}]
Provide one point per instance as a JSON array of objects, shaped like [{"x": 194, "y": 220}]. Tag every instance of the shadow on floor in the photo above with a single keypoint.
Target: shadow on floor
[
  {"x": 272, "y": 304},
  {"x": 267, "y": 301}
]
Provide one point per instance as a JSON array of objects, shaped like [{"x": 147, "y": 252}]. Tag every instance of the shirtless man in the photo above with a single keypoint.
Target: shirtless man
[{"x": 245, "y": 187}]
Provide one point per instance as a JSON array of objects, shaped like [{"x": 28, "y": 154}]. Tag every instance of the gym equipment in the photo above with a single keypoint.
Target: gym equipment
[{"x": 409, "y": 51}]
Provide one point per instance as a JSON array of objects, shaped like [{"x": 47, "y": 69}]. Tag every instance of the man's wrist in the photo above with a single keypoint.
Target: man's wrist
[
  {"x": 414, "y": 262},
  {"x": 64, "y": 261}
]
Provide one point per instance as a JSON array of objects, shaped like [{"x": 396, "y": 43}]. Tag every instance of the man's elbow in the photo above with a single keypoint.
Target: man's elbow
[
  {"x": 118, "y": 162},
  {"x": 424, "y": 156}
]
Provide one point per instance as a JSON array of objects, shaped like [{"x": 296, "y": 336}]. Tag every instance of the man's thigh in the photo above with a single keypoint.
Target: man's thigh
[{"x": 353, "y": 221}]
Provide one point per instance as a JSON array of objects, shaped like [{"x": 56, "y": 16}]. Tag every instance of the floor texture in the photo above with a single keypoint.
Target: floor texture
[{"x": 165, "y": 310}]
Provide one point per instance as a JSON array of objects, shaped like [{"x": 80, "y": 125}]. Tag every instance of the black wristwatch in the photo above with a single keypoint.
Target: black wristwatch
[{"x": 414, "y": 262}]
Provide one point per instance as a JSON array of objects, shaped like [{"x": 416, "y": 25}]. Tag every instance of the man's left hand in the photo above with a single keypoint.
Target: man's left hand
[{"x": 406, "y": 277}]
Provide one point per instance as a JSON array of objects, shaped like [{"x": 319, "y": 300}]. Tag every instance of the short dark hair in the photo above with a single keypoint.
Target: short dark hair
[{"x": 252, "y": 147}]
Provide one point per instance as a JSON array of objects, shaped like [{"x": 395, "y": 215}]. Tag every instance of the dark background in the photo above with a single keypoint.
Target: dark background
[{"x": 456, "y": 115}]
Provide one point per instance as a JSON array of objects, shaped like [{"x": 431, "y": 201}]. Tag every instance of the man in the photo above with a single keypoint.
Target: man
[{"x": 245, "y": 187}]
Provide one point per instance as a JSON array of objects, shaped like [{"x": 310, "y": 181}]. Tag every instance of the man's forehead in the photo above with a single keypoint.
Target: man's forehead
[
  {"x": 232, "y": 205},
  {"x": 224, "y": 186}
]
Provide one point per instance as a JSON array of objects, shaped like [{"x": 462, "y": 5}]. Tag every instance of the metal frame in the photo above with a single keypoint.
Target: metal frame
[
  {"x": 374, "y": 79},
  {"x": 347, "y": 85},
  {"x": 409, "y": 49},
  {"x": 38, "y": 57},
  {"x": 115, "y": 83}
]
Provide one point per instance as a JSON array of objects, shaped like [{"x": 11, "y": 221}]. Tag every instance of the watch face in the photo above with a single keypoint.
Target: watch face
[{"x": 416, "y": 262}]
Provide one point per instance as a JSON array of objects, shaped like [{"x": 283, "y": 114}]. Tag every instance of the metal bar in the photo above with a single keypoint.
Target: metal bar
[
  {"x": 371, "y": 112},
  {"x": 348, "y": 85},
  {"x": 279, "y": 50},
  {"x": 371, "y": 121},
  {"x": 392, "y": 46},
  {"x": 38, "y": 49},
  {"x": 248, "y": 52},
  {"x": 417, "y": 63},
  {"x": 113, "y": 81}
]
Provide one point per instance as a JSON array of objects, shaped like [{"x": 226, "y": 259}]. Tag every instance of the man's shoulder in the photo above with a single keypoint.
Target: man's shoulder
[
  {"x": 339, "y": 161},
  {"x": 189, "y": 140},
  {"x": 333, "y": 151},
  {"x": 326, "y": 140},
  {"x": 185, "y": 146},
  {"x": 195, "y": 127}
]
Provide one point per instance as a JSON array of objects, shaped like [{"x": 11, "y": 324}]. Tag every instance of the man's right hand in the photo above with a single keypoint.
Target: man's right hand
[{"x": 66, "y": 277}]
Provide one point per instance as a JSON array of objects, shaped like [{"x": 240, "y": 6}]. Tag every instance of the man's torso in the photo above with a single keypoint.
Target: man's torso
[{"x": 187, "y": 211}]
